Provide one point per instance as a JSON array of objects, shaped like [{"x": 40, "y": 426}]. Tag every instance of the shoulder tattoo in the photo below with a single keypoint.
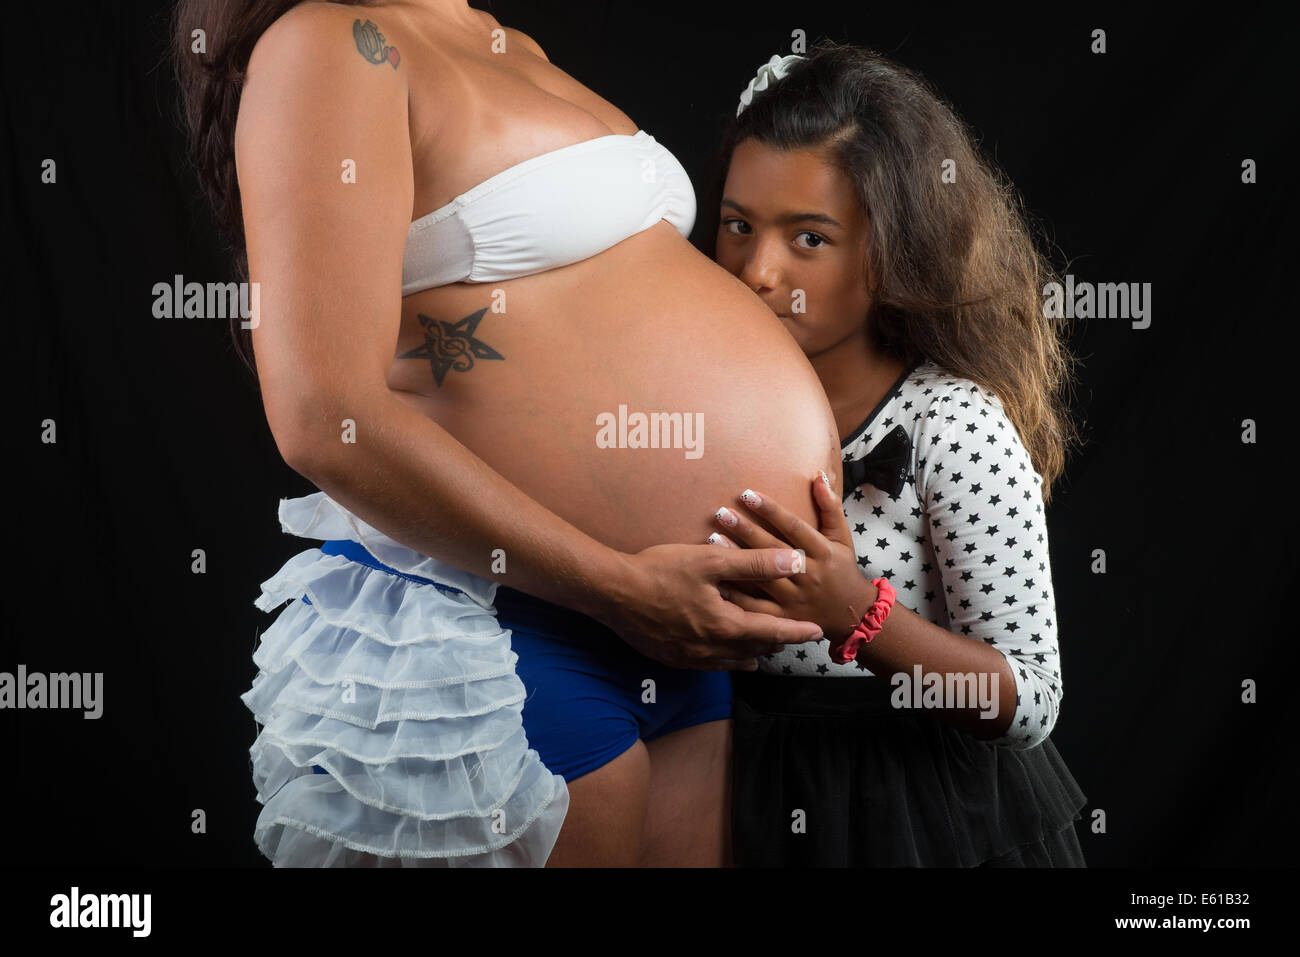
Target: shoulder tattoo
[{"x": 372, "y": 45}]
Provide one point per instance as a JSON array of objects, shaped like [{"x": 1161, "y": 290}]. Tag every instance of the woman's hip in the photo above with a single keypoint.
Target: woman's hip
[{"x": 590, "y": 695}]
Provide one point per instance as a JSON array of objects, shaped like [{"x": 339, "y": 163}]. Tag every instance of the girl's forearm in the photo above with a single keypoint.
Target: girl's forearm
[
  {"x": 411, "y": 479},
  {"x": 907, "y": 640}
]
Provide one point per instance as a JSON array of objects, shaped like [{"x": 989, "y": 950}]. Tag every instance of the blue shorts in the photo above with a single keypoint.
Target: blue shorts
[{"x": 590, "y": 695}]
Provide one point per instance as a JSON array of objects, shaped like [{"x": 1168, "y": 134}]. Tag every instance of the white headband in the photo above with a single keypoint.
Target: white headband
[{"x": 768, "y": 73}]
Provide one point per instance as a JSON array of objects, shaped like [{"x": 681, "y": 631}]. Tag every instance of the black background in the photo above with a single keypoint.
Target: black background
[{"x": 1132, "y": 159}]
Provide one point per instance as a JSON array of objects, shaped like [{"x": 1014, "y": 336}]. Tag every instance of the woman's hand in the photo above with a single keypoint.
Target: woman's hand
[
  {"x": 668, "y": 607},
  {"x": 832, "y": 590}
]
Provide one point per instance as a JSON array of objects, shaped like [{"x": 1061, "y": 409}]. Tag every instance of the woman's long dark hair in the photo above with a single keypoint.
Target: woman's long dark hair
[
  {"x": 952, "y": 270},
  {"x": 210, "y": 85}
]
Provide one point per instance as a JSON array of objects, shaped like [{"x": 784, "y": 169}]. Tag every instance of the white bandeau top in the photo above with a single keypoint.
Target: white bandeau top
[{"x": 550, "y": 210}]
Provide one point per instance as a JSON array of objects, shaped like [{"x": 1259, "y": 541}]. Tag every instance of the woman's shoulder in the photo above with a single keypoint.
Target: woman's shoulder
[
  {"x": 330, "y": 69},
  {"x": 315, "y": 24},
  {"x": 333, "y": 35},
  {"x": 314, "y": 43}
]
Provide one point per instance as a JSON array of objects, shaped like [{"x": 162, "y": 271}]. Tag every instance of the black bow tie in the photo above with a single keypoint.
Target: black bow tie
[{"x": 885, "y": 466}]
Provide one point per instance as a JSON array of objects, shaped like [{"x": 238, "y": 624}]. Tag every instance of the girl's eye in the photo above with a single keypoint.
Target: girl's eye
[
  {"x": 820, "y": 239},
  {"x": 731, "y": 225}
]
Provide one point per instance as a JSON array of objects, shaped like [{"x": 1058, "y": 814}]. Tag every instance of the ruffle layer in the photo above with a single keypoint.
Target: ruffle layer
[
  {"x": 383, "y": 607},
  {"x": 407, "y": 699},
  {"x": 368, "y": 706},
  {"x": 319, "y": 517},
  {"x": 300, "y": 827},
  {"x": 328, "y": 650}
]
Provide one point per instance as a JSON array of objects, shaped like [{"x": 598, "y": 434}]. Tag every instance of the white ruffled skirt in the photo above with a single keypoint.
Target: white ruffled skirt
[{"x": 406, "y": 697}]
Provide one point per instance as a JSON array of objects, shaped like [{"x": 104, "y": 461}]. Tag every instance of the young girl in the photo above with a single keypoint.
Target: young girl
[{"x": 853, "y": 203}]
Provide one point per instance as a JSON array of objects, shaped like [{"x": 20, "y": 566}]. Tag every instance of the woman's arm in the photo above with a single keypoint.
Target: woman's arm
[{"x": 327, "y": 253}]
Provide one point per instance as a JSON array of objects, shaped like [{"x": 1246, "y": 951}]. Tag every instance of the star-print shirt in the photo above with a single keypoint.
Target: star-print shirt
[{"x": 964, "y": 542}]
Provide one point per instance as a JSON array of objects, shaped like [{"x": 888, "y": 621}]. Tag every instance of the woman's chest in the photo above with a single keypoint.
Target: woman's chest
[{"x": 472, "y": 117}]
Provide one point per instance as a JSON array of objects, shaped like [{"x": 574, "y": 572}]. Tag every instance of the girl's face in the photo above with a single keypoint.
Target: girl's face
[{"x": 792, "y": 229}]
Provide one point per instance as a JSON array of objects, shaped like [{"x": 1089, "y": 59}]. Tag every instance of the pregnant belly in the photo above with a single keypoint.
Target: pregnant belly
[{"x": 632, "y": 393}]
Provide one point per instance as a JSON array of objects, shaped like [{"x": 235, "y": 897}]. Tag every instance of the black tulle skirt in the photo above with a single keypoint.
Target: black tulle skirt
[{"x": 829, "y": 774}]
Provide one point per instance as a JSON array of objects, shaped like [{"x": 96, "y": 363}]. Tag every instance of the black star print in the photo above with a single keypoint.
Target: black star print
[{"x": 953, "y": 510}]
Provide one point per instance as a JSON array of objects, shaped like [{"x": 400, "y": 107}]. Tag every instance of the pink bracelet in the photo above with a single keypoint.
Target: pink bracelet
[{"x": 869, "y": 626}]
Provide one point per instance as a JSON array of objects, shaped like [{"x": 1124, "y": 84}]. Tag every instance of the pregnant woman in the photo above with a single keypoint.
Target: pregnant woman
[{"x": 485, "y": 338}]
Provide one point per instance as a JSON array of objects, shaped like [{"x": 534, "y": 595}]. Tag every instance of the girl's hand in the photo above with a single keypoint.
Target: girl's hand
[{"x": 832, "y": 591}]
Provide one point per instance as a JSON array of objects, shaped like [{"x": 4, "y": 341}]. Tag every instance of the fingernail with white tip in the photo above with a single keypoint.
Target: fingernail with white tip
[{"x": 792, "y": 562}]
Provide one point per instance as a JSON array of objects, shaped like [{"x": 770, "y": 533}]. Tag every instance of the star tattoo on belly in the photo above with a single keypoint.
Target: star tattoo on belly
[{"x": 451, "y": 345}]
